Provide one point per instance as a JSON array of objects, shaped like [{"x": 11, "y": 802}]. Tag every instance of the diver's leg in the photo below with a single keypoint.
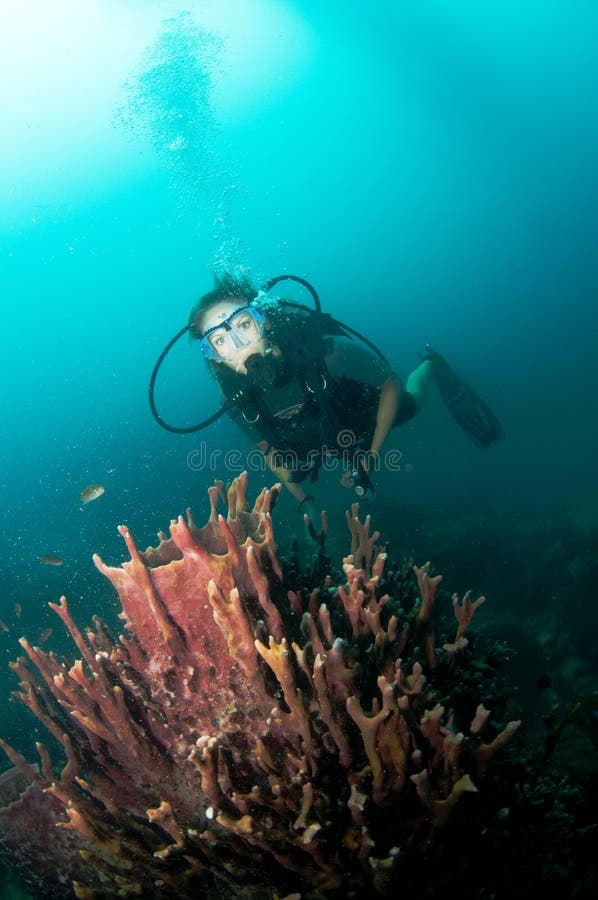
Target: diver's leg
[
  {"x": 418, "y": 383},
  {"x": 412, "y": 398}
]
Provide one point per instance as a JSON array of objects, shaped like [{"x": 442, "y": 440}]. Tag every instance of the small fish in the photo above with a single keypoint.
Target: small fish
[
  {"x": 49, "y": 560},
  {"x": 46, "y": 633},
  {"x": 91, "y": 492},
  {"x": 4, "y": 626},
  {"x": 18, "y": 610}
]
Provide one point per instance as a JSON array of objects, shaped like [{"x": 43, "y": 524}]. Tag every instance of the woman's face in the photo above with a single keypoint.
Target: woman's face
[{"x": 233, "y": 333}]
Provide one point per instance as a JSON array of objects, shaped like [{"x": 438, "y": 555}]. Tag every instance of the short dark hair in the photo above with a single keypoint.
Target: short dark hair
[{"x": 225, "y": 286}]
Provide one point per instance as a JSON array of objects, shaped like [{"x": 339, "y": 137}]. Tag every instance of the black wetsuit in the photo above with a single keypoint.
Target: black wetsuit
[{"x": 318, "y": 406}]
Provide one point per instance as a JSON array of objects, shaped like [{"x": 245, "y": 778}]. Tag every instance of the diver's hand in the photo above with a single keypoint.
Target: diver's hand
[
  {"x": 359, "y": 478},
  {"x": 363, "y": 484},
  {"x": 346, "y": 479}
]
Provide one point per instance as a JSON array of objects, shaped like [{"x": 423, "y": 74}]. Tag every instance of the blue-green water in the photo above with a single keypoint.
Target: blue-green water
[{"x": 430, "y": 167}]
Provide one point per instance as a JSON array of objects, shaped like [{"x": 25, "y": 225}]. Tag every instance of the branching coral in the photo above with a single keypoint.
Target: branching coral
[{"x": 246, "y": 736}]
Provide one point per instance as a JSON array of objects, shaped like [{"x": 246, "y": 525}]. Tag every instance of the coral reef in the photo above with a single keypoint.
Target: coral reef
[{"x": 250, "y": 735}]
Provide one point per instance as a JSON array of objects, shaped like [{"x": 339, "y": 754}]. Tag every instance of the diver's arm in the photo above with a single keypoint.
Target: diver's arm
[
  {"x": 306, "y": 503},
  {"x": 385, "y": 415},
  {"x": 282, "y": 473}
]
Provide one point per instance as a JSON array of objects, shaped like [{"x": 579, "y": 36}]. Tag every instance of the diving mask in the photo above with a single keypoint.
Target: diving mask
[{"x": 242, "y": 328}]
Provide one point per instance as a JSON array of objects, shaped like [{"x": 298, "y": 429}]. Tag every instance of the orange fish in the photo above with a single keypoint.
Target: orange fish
[
  {"x": 91, "y": 492},
  {"x": 49, "y": 560}
]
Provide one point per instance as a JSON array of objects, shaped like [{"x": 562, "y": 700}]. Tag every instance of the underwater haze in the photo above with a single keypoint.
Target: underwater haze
[{"x": 430, "y": 167}]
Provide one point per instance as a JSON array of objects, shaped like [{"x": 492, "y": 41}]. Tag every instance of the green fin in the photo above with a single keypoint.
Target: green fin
[{"x": 467, "y": 408}]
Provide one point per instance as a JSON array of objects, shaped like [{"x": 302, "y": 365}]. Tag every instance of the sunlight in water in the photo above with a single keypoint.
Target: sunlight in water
[{"x": 66, "y": 63}]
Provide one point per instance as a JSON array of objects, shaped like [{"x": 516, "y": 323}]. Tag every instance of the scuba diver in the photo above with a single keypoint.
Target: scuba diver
[{"x": 308, "y": 389}]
